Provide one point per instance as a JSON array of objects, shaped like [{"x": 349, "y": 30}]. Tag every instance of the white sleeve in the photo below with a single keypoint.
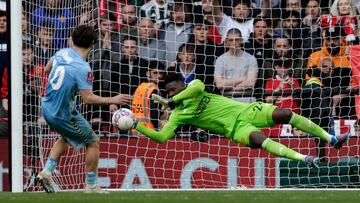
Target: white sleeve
[{"x": 225, "y": 25}]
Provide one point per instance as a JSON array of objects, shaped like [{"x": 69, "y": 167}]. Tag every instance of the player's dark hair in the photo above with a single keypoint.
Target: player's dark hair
[
  {"x": 171, "y": 77},
  {"x": 84, "y": 36}
]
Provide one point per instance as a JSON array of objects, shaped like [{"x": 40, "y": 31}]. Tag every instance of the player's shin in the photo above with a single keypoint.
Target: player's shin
[
  {"x": 91, "y": 162},
  {"x": 50, "y": 165},
  {"x": 306, "y": 125},
  {"x": 91, "y": 178},
  {"x": 281, "y": 150}
]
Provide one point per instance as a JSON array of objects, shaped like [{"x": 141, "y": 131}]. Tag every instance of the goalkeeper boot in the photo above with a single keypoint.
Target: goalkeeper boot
[
  {"x": 95, "y": 189},
  {"x": 339, "y": 140},
  {"x": 45, "y": 181},
  {"x": 312, "y": 161}
]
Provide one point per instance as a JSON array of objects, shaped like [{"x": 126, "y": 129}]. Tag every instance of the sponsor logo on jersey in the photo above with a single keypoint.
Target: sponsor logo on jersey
[{"x": 201, "y": 106}]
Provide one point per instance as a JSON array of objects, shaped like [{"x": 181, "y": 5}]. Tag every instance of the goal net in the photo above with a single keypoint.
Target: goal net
[{"x": 293, "y": 56}]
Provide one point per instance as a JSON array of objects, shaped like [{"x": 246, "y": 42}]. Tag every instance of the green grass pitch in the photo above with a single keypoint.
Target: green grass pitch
[{"x": 268, "y": 196}]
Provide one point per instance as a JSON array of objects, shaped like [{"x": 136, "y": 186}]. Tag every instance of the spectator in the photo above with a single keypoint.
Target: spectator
[
  {"x": 335, "y": 49},
  {"x": 127, "y": 75},
  {"x": 106, "y": 50},
  {"x": 34, "y": 86},
  {"x": 61, "y": 18},
  {"x": 241, "y": 18},
  {"x": 112, "y": 8},
  {"x": 4, "y": 117},
  {"x": 349, "y": 19},
  {"x": 145, "y": 109},
  {"x": 177, "y": 30},
  {"x": 312, "y": 12},
  {"x": 43, "y": 45},
  {"x": 88, "y": 14},
  {"x": 207, "y": 13},
  {"x": 283, "y": 50},
  {"x": 3, "y": 42},
  {"x": 129, "y": 20},
  {"x": 291, "y": 28},
  {"x": 149, "y": 46},
  {"x": 235, "y": 70},
  {"x": 157, "y": 11},
  {"x": 283, "y": 82},
  {"x": 317, "y": 105},
  {"x": 26, "y": 36},
  {"x": 311, "y": 28},
  {"x": 188, "y": 69},
  {"x": 206, "y": 51},
  {"x": 293, "y": 5},
  {"x": 260, "y": 42},
  {"x": 260, "y": 45}
]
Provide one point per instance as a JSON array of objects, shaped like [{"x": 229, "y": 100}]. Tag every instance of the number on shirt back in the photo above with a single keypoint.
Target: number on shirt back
[{"x": 58, "y": 78}]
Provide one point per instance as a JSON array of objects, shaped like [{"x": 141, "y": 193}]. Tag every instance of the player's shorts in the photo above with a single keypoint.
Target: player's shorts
[
  {"x": 257, "y": 115},
  {"x": 76, "y": 131}
]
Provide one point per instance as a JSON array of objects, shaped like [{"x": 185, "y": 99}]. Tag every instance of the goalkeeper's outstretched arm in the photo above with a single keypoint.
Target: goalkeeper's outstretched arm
[
  {"x": 158, "y": 136},
  {"x": 167, "y": 132}
]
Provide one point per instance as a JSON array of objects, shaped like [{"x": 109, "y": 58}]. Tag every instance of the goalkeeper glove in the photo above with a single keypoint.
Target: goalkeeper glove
[{"x": 166, "y": 103}]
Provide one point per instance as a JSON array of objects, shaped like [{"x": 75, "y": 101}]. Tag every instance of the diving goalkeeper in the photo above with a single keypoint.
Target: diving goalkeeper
[{"x": 237, "y": 121}]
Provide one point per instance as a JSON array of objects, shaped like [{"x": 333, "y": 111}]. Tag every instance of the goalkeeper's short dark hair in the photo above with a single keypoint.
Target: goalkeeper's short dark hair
[
  {"x": 84, "y": 36},
  {"x": 171, "y": 77}
]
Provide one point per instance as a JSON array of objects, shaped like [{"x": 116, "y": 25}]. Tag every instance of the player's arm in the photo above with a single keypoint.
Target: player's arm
[
  {"x": 48, "y": 66},
  {"x": 167, "y": 132},
  {"x": 193, "y": 89},
  {"x": 93, "y": 99}
]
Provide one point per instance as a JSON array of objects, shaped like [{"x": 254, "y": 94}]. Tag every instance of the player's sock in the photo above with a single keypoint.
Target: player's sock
[
  {"x": 281, "y": 150},
  {"x": 91, "y": 178},
  {"x": 306, "y": 125},
  {"x": 50, "y": 165}
]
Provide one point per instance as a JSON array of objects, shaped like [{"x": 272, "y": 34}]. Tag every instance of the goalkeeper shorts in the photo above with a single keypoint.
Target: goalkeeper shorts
[
  {"x": 257, "y": 115},
  {"x": 76, "y": 131}
]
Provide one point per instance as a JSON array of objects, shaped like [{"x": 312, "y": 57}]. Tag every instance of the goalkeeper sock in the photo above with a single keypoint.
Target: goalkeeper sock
[
  {"x": 306, "y": 125},
  {"x": 50, "y": 165},
  {"x": 281, "y": 150},
  {"x": 91, "y": 178}
]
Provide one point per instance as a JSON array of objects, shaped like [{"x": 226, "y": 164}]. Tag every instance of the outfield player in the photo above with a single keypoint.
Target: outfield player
[
  {"x": 237, "y": 121},
  {"x": 71, "y": 74}
]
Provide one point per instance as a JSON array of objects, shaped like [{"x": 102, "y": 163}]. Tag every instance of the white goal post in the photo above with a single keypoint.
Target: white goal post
[{"x": 16, "y": 97}]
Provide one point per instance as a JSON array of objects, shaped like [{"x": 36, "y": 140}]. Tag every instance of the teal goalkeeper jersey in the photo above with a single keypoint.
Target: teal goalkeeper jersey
[{"x": 201, "y": 109}]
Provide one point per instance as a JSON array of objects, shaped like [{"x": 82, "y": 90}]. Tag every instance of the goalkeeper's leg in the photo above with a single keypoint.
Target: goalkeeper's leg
[
  {"x": 285, "y": 116},
  {"x": 259, "y": 140}
]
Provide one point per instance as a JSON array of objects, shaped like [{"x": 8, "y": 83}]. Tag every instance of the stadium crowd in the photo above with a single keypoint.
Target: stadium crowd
[{"x": 297, "y": 54}]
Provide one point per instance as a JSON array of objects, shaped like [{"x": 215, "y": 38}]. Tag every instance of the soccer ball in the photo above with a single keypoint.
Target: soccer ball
[{"x": 123, "y": 119}]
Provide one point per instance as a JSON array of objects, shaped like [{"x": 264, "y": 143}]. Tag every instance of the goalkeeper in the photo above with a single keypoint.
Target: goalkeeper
[{"x": 239, "y": 122}]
